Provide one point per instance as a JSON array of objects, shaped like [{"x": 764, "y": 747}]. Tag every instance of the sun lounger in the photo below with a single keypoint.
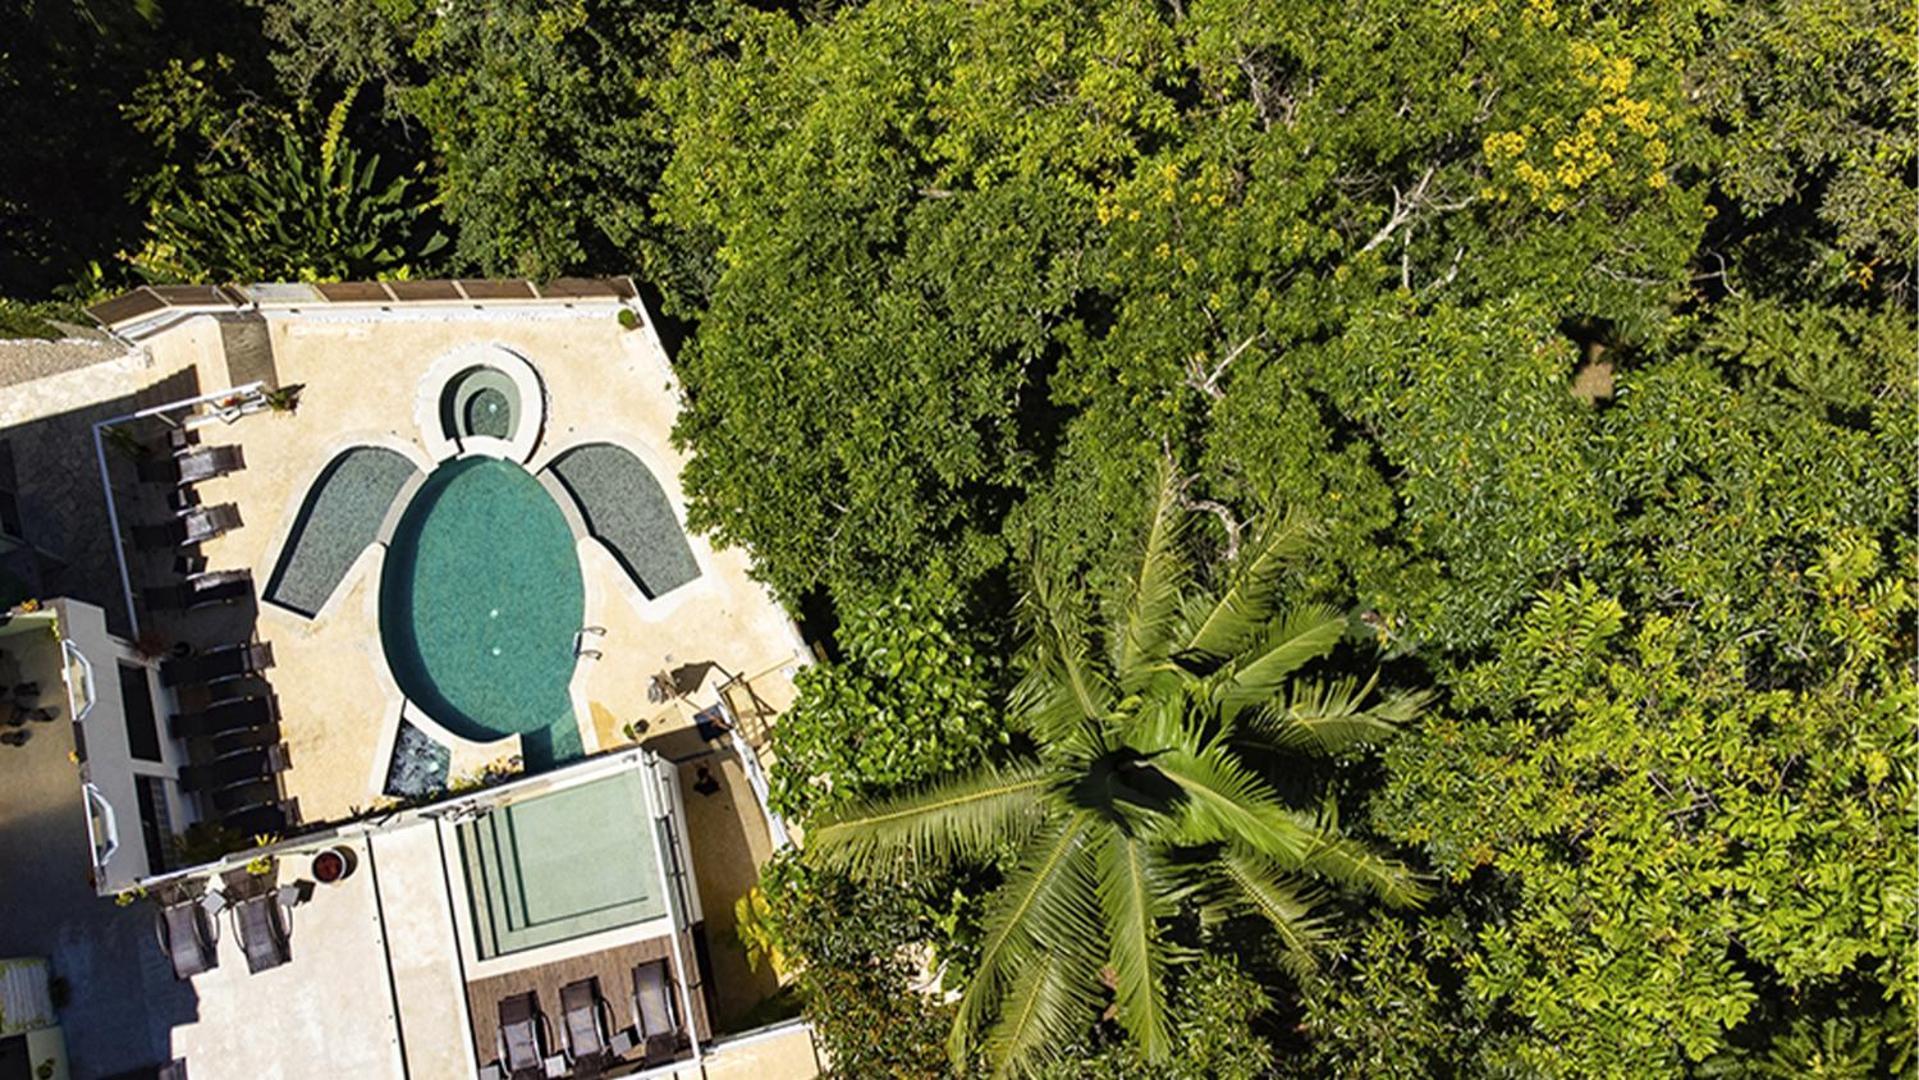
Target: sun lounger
[
  {"x": 245, "y": 767},
  {"x": 583, "y": 1021},
  {"x": 236, "y": 714},
  {"x": 230, "y": 662},
  {"x": 207, "y": 462},
  {"x": 218, "y": 587},
  {"x": 228, "y": 743},
  {"x": 195, "y": 526},
  {"x": 188, "y": 936},
  {"x": 264, "y": 934},
  {"x": 523, "y": 1039},
  {"x": 654, "y": 1011},
  {"x": 231, "y": 799},
  {"x": 262, "y": 819}
]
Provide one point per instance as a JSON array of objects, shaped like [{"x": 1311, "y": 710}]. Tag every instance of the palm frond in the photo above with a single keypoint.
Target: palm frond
[
  {"x": 1063, "y": 687},
  {"x": 1050, "y": 1005},
  {"x": 960, "y": 818},
  {"x": 1146, "y": 634},
  {"x": 1247, "y": 603},
  {"x": 1349, "y": 862},
  {"x": 1047, "y": 703},
  {"x": 1304, "y": 635},
  {"x": 1226, "y": 801},
  {"x": 1327, "y": 718},
  {"x": 1044, "y": 907},
  {"x": 1260, "y": 886},
  {"x": 1134, "y": 895}
]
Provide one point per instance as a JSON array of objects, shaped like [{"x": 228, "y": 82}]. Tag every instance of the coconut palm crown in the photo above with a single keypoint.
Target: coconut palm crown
[{"x": 1137, "y": 801}]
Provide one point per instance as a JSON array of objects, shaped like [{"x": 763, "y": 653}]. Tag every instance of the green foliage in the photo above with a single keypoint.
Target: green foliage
[
  {"x": 1386, "y": 1004},
  {"x": 65, "y": 69},
  {"x": 286, "y": 204},
  {"x": 542, "y": 128},
  {"x": 36, "y": 320},
  {"x": 909, "y": 700},
  {"x": 1814, "y": 112},
  {"x": 851, "y": 940},
  {"x": 1665, "y": 825},
  {"x": 859, "y": 378},
  {"x": 1141, "y": 800},
  {"x": 1214, "y": 1010}
]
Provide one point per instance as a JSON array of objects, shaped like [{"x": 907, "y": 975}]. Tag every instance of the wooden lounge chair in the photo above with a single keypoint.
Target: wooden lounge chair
[
  {"x": 195, "y": 526},
  {"x": 230, "y": 662},
  {"x": 244, "y": 767},
  {"x": 264, "y": 934},
  {"x": 235, "y": 714},
  {"x": 583, "y": 1015},
  {"x": 189, "y": 938},
  {"x": 655, "y": 1012},
  {"x": 523, "y": 1037}
]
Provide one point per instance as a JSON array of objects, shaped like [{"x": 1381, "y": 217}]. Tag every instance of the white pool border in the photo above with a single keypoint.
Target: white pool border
[{"x": 528, "y": 423}]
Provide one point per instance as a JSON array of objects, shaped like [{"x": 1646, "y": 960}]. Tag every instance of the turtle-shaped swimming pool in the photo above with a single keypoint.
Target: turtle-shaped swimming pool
[{"x": 481, "y": 592}]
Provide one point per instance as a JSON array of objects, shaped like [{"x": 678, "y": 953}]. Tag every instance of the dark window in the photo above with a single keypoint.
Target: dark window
[
  {"x": 155, "y": 825},
  {"x": 15, "y": 1062},
  {"x": 143, "y": 735},
  {"x": 9, "y": 499}
]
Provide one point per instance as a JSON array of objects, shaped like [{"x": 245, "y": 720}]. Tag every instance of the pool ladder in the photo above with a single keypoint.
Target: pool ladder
[{"x": 579, "y": 641}]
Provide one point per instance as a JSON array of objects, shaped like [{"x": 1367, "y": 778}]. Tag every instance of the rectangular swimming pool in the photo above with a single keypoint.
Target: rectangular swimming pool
[{"x": 563, "y": 865}]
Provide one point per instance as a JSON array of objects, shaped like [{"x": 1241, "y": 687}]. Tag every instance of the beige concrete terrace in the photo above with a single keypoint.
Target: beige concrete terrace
[
  {"x": 330, "y": 1010},
  {"x": 360, "y": 372}
]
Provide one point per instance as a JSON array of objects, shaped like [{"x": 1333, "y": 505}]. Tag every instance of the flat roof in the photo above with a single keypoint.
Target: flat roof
[{"x": 131, "y": 311}]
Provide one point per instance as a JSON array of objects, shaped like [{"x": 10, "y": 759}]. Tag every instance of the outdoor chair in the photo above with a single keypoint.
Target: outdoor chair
[
  {"x": 189, "y": 937},
  {"x": 236, "y": 714},
  {"x": 230, "y": 800},
  {"x": 654, "y": 1011},
  {"x": 584, "y": 1021},
  {"x": 245, "y": 766},
  {"x": 260, "y": 819},
  {"x": 523, "y": 1037},
  {"x": 264, "y": 933},
  {"x": 200, "y": 590},
  {"x": 228, "y": 662},
  {"x": 244, "y": 740},
  {"x": 207, "y": 462},
  {"x": 196, "y": 526}
]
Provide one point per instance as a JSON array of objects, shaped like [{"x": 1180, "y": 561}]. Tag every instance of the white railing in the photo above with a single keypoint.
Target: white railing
[
  {"x": 755, "y": 778},
  {"x": 101, "y": 810},
  {"x": 79, "y": 698}
]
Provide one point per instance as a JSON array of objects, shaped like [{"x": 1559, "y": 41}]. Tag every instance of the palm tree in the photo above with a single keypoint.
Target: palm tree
[{"x": 1137, "y": 800}]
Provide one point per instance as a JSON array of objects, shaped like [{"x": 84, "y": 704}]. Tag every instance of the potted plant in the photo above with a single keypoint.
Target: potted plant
[
  {"x": 284, "y": 400},
  {"x": 333, "y": 865}
]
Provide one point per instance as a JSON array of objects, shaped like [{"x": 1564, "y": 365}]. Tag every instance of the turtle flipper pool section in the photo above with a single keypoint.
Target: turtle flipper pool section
[
  {"x": 625, "y": 508},
  {"x": 340, "y": 517}
]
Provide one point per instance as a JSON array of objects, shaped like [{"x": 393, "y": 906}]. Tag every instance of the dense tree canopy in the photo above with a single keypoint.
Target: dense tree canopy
[{"x": 1584, "y": 333}]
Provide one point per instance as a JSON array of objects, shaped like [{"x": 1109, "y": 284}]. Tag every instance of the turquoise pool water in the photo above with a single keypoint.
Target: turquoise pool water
[
  {"x": 560, "y": 866},
  {"x": 479, "y": 600}
]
